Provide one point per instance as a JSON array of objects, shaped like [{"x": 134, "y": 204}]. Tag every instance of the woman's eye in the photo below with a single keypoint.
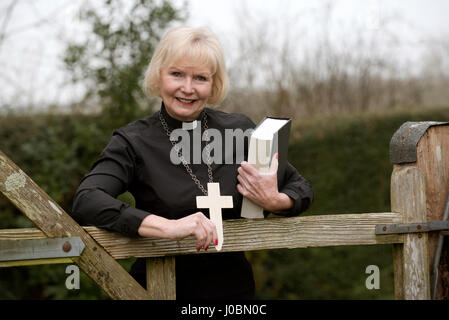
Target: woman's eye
[
  {"x": 201, "y": 78},
  {"x": 176, "y": 74}
]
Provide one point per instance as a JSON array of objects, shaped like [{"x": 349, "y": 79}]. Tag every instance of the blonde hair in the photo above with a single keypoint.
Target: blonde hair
[{"x": 197, "y": 44}]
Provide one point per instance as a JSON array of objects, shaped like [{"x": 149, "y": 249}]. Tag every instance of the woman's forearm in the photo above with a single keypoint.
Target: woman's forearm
[
  {"x": 197, "y": 225},
  {"x": 154, "y": 226}
]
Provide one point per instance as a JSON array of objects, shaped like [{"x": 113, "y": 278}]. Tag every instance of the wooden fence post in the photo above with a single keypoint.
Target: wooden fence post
[
  {"x": 411, "y": 266},
  {"x": 425, "y": 146},
  {"x": 161, "y": 278}
]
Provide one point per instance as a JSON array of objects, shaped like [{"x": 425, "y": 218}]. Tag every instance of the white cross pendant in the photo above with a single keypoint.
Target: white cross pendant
[{"x": 215, "y": 202}]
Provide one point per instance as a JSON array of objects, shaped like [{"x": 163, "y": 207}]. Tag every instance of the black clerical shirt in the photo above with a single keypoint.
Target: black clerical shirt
[{"x": 137, "y": 159}]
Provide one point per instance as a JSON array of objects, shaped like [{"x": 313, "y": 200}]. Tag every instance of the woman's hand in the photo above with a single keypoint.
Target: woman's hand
[
  {"x": 262, "y": 188},
  {"x": 196, "y": 224}
]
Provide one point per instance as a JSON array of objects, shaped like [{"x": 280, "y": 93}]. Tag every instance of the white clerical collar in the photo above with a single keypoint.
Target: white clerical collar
[{"x": 189, "y": 125}]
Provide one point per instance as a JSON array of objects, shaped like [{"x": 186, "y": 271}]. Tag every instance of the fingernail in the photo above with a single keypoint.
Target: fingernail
[
  {"x": 205, "y": 249},
  {"x": 216, "y": 242},
  {"x": 277, "y": 155}
]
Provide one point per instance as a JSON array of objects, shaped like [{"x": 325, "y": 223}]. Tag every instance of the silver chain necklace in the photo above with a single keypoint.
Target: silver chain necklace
[{"x": 181, "y": 156}]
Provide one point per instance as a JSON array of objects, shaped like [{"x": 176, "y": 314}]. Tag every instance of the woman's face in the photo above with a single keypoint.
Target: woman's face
[{"x": 185, "y": 88}]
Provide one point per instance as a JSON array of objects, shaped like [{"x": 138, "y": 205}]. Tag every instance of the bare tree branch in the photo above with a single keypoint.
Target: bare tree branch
[
  {"x": 8, "y": 15},
  {"x": 42, "y": 20}
]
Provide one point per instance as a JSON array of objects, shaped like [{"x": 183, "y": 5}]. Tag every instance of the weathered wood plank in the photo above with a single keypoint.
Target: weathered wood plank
[
  {"x": 398, "y": 269},
  {"x": 433, "y": 161},
  {"x": 275, "y": 233},
  {"x": 35, "y": 262},
  {"x": 161, "y": 278},
  {"x": 250, "y": 234},
  {"x": 21, "y": 234},
  {"x": 54, "y": 222},
  {"x": 411, "y": 263}
]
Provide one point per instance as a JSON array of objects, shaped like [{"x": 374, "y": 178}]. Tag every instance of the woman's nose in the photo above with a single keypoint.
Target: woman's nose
[{"x": 187, "y": 86}]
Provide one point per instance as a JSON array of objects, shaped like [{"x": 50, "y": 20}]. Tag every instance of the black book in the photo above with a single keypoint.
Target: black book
[{"x": 271, "y": 136}]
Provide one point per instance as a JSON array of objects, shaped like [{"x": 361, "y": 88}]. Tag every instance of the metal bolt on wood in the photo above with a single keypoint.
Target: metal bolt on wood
[{"x": 66, "y": 247}]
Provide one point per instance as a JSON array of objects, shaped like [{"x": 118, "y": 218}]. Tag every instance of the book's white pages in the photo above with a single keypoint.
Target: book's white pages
[{"x": 268, "y": 128}]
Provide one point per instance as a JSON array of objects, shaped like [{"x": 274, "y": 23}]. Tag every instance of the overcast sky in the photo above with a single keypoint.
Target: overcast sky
[{"x": 31, "y": 71}]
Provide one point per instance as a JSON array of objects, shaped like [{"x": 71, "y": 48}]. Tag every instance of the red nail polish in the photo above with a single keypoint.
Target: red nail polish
[
  {"x": 205, "y": 249},
  {"x": 216, "y": 242}
]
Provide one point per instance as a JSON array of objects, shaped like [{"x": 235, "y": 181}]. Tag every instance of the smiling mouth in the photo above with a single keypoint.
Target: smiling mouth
[{"x": 186, "y": 101}]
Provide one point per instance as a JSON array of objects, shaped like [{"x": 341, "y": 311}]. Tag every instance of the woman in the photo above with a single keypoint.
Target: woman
[{"x": 187, "y": 72}]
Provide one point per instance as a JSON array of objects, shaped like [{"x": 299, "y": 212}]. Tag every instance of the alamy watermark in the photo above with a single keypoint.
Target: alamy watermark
[
  {"x": 73, "y": 280},
  {"x": 373, "y": 281},
  {"x": 193, "y": 153}
]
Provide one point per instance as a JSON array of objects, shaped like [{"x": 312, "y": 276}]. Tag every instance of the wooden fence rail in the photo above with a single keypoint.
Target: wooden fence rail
[
  {"x": 247, "y": 235},
  {"x": 419, "y": 184}
]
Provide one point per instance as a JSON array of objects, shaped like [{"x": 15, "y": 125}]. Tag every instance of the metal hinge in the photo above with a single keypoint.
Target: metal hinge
[
  {"x": 412, "y": 227},
  {"x": 14, "y": 250}
]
